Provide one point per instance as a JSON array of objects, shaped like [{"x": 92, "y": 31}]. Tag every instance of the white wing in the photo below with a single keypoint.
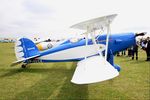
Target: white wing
[
  {"x": 93, "y": 69},
  {"x": 95, "y": 24}
]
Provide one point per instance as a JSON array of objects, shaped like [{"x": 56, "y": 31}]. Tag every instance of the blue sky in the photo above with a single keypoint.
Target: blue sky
[{"x": 41, "y": 18}]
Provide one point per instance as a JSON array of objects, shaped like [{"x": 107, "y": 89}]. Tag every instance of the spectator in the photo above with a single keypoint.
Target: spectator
[
  {"x": 123, "y": 52},
  {"x": 143, "y": 44},
  {"x": 135, "y": 52},
  {"x": 148, "y": 49},
  {"x": 118, "y": 54},
  {"x": 129, "y": 52}
]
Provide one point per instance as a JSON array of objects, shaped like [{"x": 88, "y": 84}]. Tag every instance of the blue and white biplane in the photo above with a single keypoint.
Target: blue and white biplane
[{"x": 95, "y": 55}]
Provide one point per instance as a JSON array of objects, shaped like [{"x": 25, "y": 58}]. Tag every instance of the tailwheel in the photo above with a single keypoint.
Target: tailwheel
[{"x": 23, "y": 65}]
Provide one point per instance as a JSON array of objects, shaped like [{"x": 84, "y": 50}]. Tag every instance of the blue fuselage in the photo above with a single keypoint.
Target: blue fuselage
[{"x": 117, "y": 42}]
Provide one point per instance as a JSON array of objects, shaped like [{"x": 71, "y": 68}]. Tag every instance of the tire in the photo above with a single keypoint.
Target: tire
[{"x": 23, "y": 66}]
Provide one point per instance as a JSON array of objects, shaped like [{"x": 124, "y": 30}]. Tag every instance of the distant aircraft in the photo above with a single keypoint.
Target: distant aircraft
[{"x": 95, "y": 55}]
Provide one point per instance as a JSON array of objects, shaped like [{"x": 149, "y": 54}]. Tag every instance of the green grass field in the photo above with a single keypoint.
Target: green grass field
[{"x": 52, "y": 80}]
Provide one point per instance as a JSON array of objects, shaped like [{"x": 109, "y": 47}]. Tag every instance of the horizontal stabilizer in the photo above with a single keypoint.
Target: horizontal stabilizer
[
  {"x": 92, "y": 70},
  {"x": 22, "y": 60}
]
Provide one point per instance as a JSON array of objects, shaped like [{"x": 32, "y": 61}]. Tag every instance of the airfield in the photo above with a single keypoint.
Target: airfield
[{"x": 52, "y": 80}]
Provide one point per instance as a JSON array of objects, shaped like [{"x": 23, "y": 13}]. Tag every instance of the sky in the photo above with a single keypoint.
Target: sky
[{"x": 42, "y": 18}]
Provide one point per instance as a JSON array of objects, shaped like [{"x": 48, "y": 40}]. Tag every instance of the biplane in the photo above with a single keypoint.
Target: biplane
[{"x": 94, "y": 53}]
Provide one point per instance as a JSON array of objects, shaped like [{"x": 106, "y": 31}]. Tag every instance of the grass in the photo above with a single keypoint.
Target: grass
[{"x": 52, "y": 80}]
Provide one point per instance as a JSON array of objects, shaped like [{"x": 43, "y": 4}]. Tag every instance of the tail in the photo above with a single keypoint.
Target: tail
[{"x": 25, "y": 49}]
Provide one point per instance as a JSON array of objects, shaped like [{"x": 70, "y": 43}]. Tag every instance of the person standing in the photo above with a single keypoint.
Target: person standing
[
  {"x": 148, "y": 49},
  {"x": 135, "y": 51},
  {"x": 129, "y": 52}
]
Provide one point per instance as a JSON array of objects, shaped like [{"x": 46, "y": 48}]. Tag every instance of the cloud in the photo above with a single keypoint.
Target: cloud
[
  {"x": 23, "y": 16},
  {"x": 55, "y": 16},
  {"x": 36, "y": 7}
]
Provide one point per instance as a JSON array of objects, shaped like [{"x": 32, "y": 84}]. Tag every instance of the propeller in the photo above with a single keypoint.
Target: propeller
[{"x": 140, "y": 34}]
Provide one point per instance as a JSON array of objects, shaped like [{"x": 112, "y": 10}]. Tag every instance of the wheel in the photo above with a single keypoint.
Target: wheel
[{"x": 23, "y": 65}]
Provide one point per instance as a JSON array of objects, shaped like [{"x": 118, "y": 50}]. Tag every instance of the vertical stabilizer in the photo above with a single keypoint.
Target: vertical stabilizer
[{"x": 25, "y": 48}]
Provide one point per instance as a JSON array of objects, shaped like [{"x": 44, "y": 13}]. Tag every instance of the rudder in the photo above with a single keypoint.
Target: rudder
[{"x": 25, "y": 48}]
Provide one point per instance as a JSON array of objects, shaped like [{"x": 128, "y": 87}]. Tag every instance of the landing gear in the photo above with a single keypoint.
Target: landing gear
[{"x": 23, "y": 65}]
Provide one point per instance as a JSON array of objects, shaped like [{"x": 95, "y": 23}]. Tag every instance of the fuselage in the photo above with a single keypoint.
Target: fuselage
[{"x": 76, "y": 51}]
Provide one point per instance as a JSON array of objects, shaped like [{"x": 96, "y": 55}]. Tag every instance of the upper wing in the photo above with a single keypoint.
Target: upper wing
[
  {"x": 93, "y": 69},
  {"x": 95, "y": 24}
]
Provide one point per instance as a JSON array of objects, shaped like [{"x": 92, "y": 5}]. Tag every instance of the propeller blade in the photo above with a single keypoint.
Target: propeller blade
[{"x": 140, "y": 34}]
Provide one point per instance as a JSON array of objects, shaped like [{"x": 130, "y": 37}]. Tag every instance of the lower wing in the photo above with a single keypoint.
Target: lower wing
[{"x": 93, "y": 69}]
